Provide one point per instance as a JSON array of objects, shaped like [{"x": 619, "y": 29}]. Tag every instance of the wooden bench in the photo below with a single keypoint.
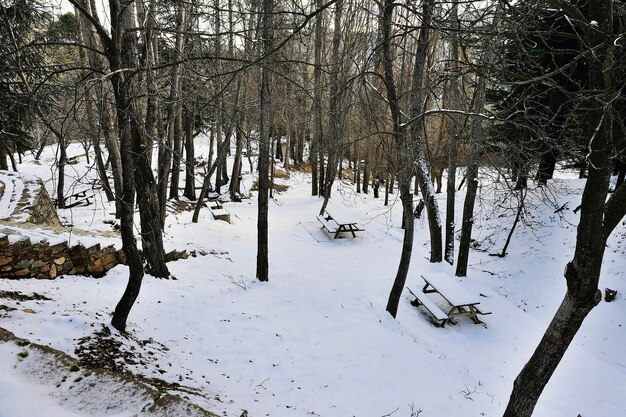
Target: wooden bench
[
  {"x": 76, "y": 199},
  {"x": 422, "y": 299},
  {"x": 219, "y": 212},
  {"x": 327, "y": 224},
  {"x": 340, "y": 223},
  {"x": 462, "y": 303}
]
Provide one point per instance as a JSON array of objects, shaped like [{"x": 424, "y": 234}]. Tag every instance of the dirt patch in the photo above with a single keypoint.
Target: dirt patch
[
  {"x": 4, "y": 310},
  {"x": 180, "y": 206},
  {"x": 89, "y": 383},
  {"x": 102, "y": 350},
  {"x": 18, "y": 296},
  {"x": 117, "y": 353}
]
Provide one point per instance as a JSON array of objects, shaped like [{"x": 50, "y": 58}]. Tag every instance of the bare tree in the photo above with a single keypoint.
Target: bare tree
[
  {"x": 121, "y": 50},
  {"x": 598, "y": 216}
]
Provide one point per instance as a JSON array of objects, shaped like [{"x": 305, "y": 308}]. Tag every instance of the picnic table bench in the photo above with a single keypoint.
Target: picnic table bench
[
  {"x": 218, "y": 212},
  {"x": 460, "y": 302},
  {"x": 337, "y": 222},
  {"x": 78, "y": 198}
]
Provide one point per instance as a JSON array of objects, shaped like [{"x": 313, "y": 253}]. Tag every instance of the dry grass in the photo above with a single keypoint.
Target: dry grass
[
  {"x": 280, "y": 173},
  {"x": 306, "y": 168},
  {"x": 280, "y": 188}
]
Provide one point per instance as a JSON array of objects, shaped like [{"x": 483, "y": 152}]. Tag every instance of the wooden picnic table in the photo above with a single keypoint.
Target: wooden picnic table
[
  {"x": 82, "y": 197},
  {"x": 336, "y": 221},
  {"x": 461, "y": 302}
]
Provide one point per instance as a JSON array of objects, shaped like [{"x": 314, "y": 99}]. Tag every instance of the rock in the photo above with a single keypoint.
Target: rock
[
  {"x": 23, "y": 264},
  {"x": 109, "y": 258},
  {"x": 39, "y": 264},
  {"x": 29, "y": 310},
  {"x": 60, "y": 261},
  {"x": 22, "y": 272},
  {"x": 96, "y": 271},
  {"x": 53, "y": 271},
  {"x": 5, "y": 261}
]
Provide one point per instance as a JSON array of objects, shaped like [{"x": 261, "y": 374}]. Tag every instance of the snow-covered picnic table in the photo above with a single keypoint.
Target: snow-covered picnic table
[
  {"x": 461, "y": 302},
  {"x": 337, "y": 221}
]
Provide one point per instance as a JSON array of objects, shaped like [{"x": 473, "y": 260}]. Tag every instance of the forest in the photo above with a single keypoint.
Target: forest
[{"x": 181, "y": 150}]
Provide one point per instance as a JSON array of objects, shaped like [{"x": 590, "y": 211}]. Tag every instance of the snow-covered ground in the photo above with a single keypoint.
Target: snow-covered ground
[{"x": 316, "y": 340}]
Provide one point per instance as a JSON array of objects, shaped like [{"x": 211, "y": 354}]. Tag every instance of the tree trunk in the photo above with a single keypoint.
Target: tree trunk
[
  {"x": 92, "y": 38},
  {"x": 365, "y": 167},
  {"x": 219, "y": 145},
  {"x": 546, "y": 166},
  {"x": 518, "y": 214},
  {"x": 418, "y": 103},
  {"x": 403, "y": 150},
  {"x": 272, "y": 163},
  {"x": 300, "y": 153},
  {"x": 61, "y": 161},
  {"x": 290, "y": 134},
  {"x": 121, "y": 19},
  {"x": 472, "y": 167},
  {"x": 453, "y": 133},
  {"x": 472, "y": 182},
  {"x": 94, "y": 132},
  {"x": 317, "y": 105},
  {"x": 235, "y": 177},
  {"x": 121, "y": 51},
  {"x": 4, "y": 164},
  {"x": 176, "y": 154},
  {"x": 278, "y": 152},
  {"x": 112, "y": 144},
  {"x": 235, "y": 192},
  {"x": 151, "y": 51},
  {"x": 267, "y": 66},
  {"x": 167, "y": 144},
  {"x": 335, "y": 122},
  {"x": 358, "y": 176},
  {"x": 190, "y": 157}
]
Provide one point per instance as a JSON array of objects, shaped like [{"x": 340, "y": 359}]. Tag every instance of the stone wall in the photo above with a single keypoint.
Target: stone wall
[{"x": 23, "y": 259}]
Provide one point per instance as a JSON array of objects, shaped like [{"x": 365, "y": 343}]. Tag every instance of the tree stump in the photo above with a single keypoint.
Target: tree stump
[{"x": 609, "y": 295}]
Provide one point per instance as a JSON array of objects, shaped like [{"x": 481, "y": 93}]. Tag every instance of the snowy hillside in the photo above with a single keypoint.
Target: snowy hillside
[{"x": 316, "y": 340}]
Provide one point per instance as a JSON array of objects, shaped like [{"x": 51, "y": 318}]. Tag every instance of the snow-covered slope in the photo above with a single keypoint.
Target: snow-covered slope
[{"x": 316, "y": 340}]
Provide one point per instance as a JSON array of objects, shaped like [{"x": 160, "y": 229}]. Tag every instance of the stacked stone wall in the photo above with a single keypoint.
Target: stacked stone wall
[{"x": 23, "y": 259}]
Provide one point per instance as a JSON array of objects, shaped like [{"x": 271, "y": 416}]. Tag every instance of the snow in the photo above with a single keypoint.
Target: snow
[{"x": 316, "y": 340}]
